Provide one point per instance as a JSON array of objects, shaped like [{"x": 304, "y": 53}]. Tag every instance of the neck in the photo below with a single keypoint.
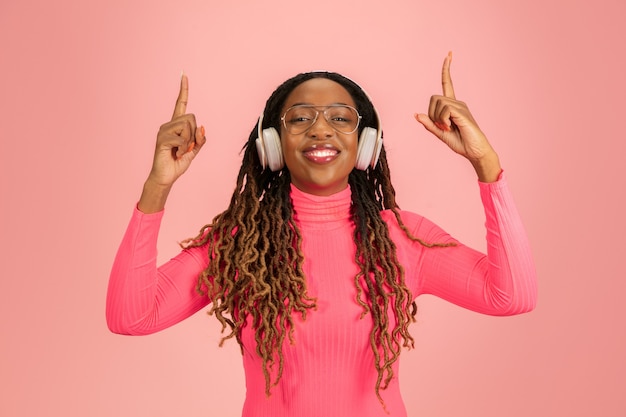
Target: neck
[{"x": 321, "y": 211}]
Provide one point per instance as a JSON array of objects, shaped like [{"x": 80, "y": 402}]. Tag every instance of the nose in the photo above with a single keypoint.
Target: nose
[{"x": 320, "y": 128}]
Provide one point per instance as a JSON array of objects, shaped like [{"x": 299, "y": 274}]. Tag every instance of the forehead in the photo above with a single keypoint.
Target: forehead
[{"x": 319, "y": 92}]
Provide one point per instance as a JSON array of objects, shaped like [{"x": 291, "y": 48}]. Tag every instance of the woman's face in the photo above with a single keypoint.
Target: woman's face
[{"x": 321, "y": 158}]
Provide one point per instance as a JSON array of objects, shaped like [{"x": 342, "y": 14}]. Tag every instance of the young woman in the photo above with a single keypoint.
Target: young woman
[{"x": 313, "y": 268}]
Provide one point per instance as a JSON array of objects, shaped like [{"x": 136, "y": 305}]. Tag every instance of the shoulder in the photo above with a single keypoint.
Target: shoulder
[
  {"x": 407, "y": 217},
  {"x": 417, "y": 225}
]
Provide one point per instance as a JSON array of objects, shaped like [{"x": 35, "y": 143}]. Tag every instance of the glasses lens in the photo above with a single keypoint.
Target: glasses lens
[
  {"x": 299, "y": 119},
  {"x": 343, "y": 119}
]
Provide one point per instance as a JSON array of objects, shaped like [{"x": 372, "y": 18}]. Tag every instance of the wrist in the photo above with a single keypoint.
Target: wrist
[
  {"x": 153, "y": 197},
  {"x": 487, "y": 168}
]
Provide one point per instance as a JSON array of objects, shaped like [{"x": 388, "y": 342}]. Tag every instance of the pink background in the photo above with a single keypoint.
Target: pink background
[{"x": 86, "y": 84}]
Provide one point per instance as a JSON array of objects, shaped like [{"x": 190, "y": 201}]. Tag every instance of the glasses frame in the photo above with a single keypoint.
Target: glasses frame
[{"x": 317, "y": 113}]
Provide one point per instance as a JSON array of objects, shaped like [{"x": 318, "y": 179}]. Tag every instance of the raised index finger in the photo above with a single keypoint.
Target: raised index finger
[
  {"x": 183, "y": 95},
  {"x": 446, "y": 79}
]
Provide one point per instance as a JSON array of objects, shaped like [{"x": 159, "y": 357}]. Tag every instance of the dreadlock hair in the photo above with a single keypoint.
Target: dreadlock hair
[{"x": 254, "y": 246}]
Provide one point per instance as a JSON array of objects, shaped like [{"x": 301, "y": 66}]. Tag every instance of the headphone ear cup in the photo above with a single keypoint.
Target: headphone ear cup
[
  {"x": 261, "y": 151},
  {"x": 368, "y": 150},
  {"x": 273, "y": 151}
]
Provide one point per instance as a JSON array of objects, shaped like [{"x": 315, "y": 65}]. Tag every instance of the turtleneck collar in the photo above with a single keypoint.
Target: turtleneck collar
[{"x": 321, "y": 212}]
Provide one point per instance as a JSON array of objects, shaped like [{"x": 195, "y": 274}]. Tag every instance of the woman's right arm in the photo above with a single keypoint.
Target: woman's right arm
[{"x": 142, "y": 298}]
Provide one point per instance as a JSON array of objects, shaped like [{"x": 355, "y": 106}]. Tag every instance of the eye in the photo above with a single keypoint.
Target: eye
[
  {"x": 341, "y": 115},
  {"x": 300, "y": 115}
]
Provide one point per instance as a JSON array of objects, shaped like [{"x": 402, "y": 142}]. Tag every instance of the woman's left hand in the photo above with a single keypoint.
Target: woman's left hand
[{"x": 451, "y": 121}]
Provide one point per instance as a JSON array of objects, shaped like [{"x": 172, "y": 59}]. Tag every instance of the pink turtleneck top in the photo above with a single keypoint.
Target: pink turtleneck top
[{"x": 329, "y": 371}]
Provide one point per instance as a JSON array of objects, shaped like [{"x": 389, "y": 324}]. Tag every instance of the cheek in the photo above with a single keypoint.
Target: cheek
[
  {"x": 287, "y": 143},
  {"x": 352, "y": 144},
  {"x": 289, "y": 146}
]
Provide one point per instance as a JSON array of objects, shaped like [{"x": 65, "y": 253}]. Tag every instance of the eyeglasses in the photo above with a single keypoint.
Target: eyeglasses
[{"x": 300, "y": 118}]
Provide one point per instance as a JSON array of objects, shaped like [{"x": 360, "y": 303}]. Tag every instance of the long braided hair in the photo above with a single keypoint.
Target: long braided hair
[{"x": 256, "y": 274}]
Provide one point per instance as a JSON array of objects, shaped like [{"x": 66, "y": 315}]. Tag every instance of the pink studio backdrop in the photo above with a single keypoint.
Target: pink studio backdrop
[{"x": 86, "y": 84}]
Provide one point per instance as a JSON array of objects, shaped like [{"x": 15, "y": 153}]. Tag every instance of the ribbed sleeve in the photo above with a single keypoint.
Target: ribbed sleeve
[
  {"x": 501, "y": 283},
  {"x": 142, "y": 299}
]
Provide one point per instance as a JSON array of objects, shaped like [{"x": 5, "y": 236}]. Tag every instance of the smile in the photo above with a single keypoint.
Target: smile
[{"x": 321, "y": 154}]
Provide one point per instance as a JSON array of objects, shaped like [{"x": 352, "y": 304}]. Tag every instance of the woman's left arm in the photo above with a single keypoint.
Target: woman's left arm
[{"x": 503, "y": 282}]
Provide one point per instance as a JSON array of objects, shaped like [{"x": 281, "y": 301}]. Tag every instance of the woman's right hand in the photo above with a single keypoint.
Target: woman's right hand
[{"x": 178, "y": 143}]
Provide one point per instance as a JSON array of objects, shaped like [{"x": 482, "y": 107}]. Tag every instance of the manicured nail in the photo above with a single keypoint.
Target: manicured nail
[{"x": 202, "y": 131}]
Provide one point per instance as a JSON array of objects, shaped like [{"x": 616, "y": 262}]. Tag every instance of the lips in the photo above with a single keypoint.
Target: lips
[{"x": 320, "y": 153}]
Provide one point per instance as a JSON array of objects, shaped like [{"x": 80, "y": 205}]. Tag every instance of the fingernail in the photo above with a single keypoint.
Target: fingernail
[{"x": 202, "y": 131}]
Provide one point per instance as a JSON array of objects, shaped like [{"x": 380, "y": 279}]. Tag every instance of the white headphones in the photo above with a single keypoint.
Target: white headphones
[{"x": 270, "y": 151}]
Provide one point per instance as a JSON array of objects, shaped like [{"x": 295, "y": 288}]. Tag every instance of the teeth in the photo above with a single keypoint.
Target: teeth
[{"x": 323, "y": 153}]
